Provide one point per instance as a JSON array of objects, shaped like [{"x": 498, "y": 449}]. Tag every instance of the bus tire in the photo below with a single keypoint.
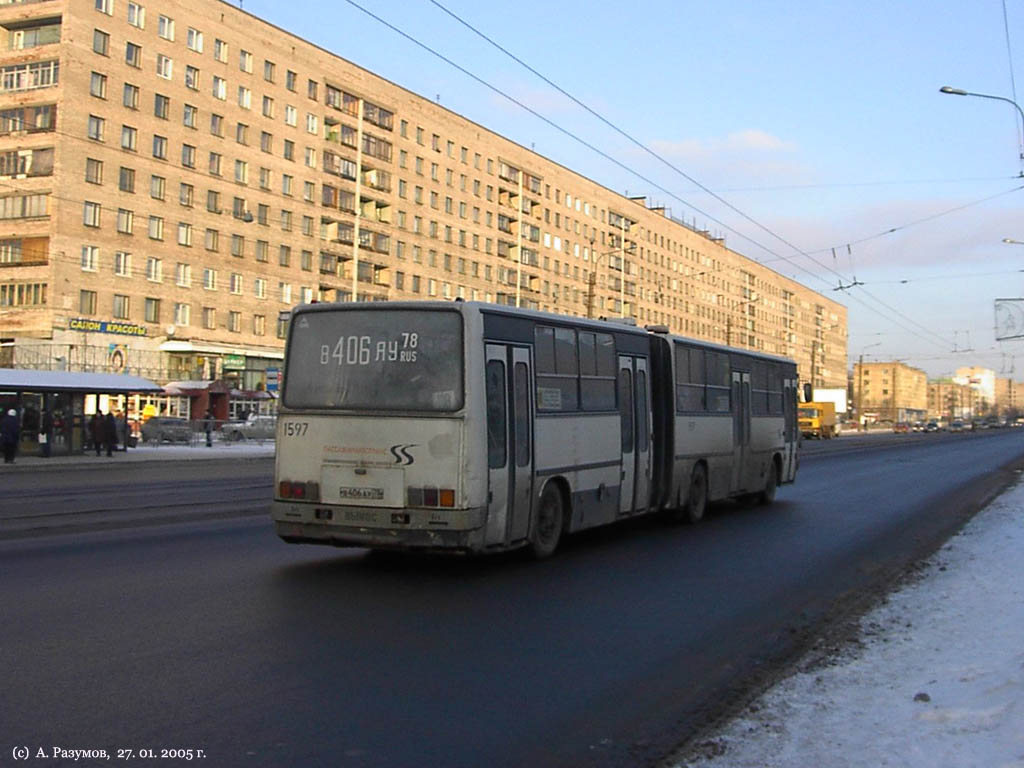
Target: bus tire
[
  {"x": 697, "y": 495},
  {"x": 771, "y": 484},
  {"x": 547, "y": 525}
]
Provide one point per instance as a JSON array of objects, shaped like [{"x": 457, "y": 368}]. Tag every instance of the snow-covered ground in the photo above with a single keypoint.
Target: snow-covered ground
[{"x": 937, "y": 680}]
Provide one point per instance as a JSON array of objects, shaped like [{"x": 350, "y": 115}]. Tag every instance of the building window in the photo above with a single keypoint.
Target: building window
[
  {"x": 212, "y": 240},
  {"x": 133, "y": 55},
  {"x": 164, "y": 66},
  {"x": 105, "y": 6},
  {"x": 290, "y": 80},
  {"x": 213, "y": 201},
  {"x": 268, "y": 106},
  {"x": 194, "y": 40},
  {"x": 156, "y": 228},
  {"x": 186, "y": 194},
  {"x": 100, "y": 42},
  {"x": 188, "y": 156},
  {"x": 192, "y": 78},
  {"x": 87, "y": 302},
  {"x": 125, "y": 221},
  {"x": 123, "y": 264},
  {"x": 90, "y": 258},
  {"x": 121, "y": 308},
  {"x": 209, "y": 318},
  {"x": 236, "y": 284},
  {"x": 126, "y": 179},
  {"x": 237, "y": 246},
  {"x": 95, "y": 128},
  {"x": 220, "y": 88},
  {"x": 284, "y": 256},
  {"x": 183, "y": 275},
  {"x": 98, "y": 85},
  {"x": 152, "y": 310},
  {"x": 157, "y": 187},
  {"x": 130, "y": 98},
  {"x": 129, "y": 137},
  {"x": 215, "y": 162},
  {"x": 185, "y": 234},
  {"x": 259, "y": 288},
  {"x": 209, "y": 279},
  {"x": 289, "y": 150},
  {"x": 241, "y": 172},
  {"x": 160, "y": 147},
  {"x": 161, "y": 106},
  {"x": 216, "y": 125},
  {"x": 244, "y": 97},
  {"x": 312, "y": 90},
  {"x": 259, "y": 325},
  {"x": 269, "y": 71},
  {"x": 93, "y": 171},
  {"x": 136, "y": 15},
  {"x": 220, "y": 51},
  {"x": 182, "y": 313},
  {"x": 291, "y": 116},
  {"x": 154, "y": 269},
  {"x": 242, "y": 133},
  {"x": 91, "y": 214},
  {"x": 190, "y": 116},
  {"x": 234, "y": 321},
  {"x": 245, "y": 61},
  {"x": 165, "y": 28},
  {"x": 262, "y": 250},
  {"x": 286, "y": 184}
]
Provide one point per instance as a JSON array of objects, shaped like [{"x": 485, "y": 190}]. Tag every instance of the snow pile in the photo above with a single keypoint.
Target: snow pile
[{"x": 937, "y": 683}]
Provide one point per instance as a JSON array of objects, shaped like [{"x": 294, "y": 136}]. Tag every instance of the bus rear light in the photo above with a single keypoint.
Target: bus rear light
[
  {"x": 431, "y": 497},
  {"x": 309, "y": 491}
]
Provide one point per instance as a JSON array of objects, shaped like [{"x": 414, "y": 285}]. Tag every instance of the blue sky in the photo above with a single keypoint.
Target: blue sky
[{"x": 820, "y": 121}]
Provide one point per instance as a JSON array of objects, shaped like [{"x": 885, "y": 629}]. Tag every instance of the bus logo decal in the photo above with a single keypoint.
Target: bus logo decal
[{"x": 401, "y": 453}]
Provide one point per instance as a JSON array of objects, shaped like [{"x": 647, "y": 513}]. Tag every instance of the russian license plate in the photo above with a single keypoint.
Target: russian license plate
[{"x": 349, "y": 492}]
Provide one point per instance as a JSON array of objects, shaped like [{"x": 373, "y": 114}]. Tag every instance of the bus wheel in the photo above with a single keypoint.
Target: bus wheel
[
  {"x": 547, "y": 528},
  {"x": 697, "y": 498},
  {"x": 771, "y": 484}
]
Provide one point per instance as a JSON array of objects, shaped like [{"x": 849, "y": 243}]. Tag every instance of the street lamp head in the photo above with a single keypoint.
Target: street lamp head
[{"x": 951, "y": 90}]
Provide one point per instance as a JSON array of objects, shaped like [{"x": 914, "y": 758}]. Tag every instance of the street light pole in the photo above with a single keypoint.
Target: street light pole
[
  {"x": 961, "y": 92},
  {"x": 860, "y": 388},
  {"x": 622, "y": 268}
]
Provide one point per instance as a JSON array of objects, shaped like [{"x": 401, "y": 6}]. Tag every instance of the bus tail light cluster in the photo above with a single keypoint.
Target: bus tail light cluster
[
  {"x": 431, "y": 497},
  {"x": 308, "y": 491}
]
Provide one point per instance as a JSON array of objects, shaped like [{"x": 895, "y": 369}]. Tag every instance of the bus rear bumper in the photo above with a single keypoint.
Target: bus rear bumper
[{"x": 451, "y": 530}]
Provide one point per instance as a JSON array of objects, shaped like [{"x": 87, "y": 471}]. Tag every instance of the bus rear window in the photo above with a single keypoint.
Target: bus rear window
[{"x": 390, "y": 360}]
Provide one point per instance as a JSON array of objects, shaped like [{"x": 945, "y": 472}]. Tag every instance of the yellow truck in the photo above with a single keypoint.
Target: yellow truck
[{"x": 818, "y": 420}]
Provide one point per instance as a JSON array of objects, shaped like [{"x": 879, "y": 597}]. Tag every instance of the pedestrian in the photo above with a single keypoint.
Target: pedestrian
[
  {"x": 9, "y": 430},
  {"x": 208, "y": 423},
  {"x": 109, "y": 430},
  {"x": 45, "y": 433},
  {"x": 96, "y": 431}
]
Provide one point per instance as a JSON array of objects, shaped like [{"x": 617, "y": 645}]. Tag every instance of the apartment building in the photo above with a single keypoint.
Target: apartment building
[
  {"x": 174, "y": 176},
  {"x": 889, "y": 391}
]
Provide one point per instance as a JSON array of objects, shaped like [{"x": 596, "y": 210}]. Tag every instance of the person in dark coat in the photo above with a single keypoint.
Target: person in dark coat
[
  {"x": 9, "y": 432},
  {"x": 96, "y": 431},
  {"x": 208, "y": 423},
  {"x": 109, "y": 430},
  {"x": 45, "y": 433}
]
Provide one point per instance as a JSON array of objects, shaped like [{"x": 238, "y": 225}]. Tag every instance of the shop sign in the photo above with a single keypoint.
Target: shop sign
[
  {"x": 106, "y": 326},
  {"x": 233, "y": 362}
]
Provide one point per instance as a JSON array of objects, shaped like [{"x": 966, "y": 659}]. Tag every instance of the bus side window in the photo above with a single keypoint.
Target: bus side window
[
  {"x": 522, "y": 414},
  {"x": 497, "y": 445}
]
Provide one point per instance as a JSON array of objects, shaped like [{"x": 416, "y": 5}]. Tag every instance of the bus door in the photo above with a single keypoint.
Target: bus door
[
  {"x": 509, "y": 443},
  {"x": 635, "y": 422},
  {"x": 740, "y": 428},
  {"x": 790, "y": 435}
]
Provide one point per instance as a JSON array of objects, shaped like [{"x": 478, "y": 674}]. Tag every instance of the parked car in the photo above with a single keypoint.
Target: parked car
[
  {"x": 931, "y": 426},
  {"x": 260, "y": 427},
  {"x": 901, "y": 426},
  {"x": 166, "y": 429},
  {"x": 956, "y": 426}
]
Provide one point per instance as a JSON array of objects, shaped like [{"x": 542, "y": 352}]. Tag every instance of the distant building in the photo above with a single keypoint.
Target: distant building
[
  {"x": 983, "y": 382},
  {"x": 948, "y": 400},
  {"x": 889, "y": 391}
]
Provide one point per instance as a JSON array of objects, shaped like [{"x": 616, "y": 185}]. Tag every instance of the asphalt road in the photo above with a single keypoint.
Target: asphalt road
[{"x": 216, "y": 636}]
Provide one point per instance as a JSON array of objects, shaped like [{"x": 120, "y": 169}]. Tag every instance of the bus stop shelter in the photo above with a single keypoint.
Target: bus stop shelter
[{"x": 65, "y": 394}]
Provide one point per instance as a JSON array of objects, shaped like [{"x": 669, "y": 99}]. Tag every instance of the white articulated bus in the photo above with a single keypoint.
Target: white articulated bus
[{"x": 476, "y": 427}]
